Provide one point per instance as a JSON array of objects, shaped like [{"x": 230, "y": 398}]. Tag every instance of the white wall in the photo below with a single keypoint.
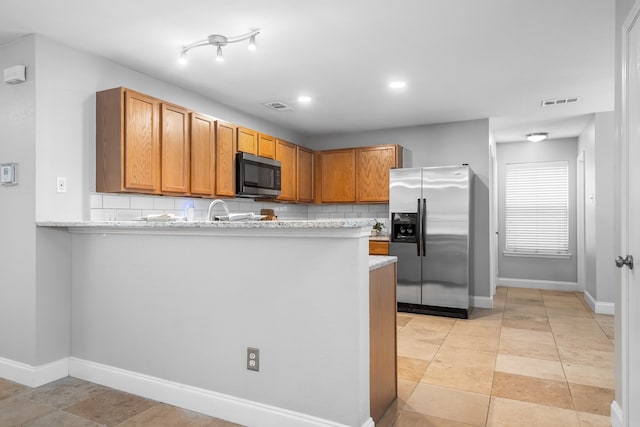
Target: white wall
[
  {"x": 538, "y": 268},
  {"x": 440, "y": 145}
]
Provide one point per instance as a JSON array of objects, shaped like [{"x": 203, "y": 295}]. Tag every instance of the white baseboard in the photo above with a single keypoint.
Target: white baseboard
[
  {"x": 599, "y": 307},
  {"x": 482, "y": 302},
  {"x": 549, "y": 285},
  {"x": 617, "y": 418},
  {"x": 33, "y": 376},
  {"x": 208, "y": 402}
]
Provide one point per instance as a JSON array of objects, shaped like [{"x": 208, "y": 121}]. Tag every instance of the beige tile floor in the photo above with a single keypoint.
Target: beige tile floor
[
  {"x": 71, "y": 402},
  {"x": 538, "y": 359}
]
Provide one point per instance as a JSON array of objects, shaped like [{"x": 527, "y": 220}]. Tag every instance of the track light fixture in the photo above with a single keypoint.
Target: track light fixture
[{"x": 218, "y": 41}]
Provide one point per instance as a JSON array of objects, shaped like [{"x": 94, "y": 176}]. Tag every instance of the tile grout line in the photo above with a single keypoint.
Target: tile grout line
[
  {"x": 564, "y": 372},
  {"x": 493, "y": 376}
]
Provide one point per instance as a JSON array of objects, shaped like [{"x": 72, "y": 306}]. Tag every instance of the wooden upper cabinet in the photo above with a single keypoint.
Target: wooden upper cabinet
[
  {"x": 338, "y": 176},
  {"x": 247, "y": 140},
  {"x": 286, "y": 153},
  {"x": 127, "y": 142},
  {"x": 266, "y": 146},
  {"x": 225, "y": 159},
  {"x": 175, "y": 153},
  {"x": 203, "y": 155},
  {"x": 305, "y": 175},
  {"x": 141, "y": 143},
  {"x": 373, "y": 167}
]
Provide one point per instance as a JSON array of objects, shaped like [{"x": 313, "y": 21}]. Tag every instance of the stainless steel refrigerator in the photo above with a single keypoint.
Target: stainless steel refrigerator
[{"x": 430, "y": 226}]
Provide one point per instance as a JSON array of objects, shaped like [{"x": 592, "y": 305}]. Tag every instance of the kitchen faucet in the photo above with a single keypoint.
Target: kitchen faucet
[{"x": 215, "y": 203}]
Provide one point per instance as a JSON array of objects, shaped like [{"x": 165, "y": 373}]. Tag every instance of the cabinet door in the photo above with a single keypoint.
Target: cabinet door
[
  {"x": 374, "y": 164},
  {"x": 286, "y": 153},
  {"x": 141, "y": 143},
  {"x": 378, "y": 248},
  {"x": 225, "y": 159},
  {"x": 203, "y": 155},
  {"x": 175, "y": 149},
  {"x": 338, "y": 179},
  {"x": 383, "y": 373},
  {"x": 266, "y": 146},
  {"x": 247, "y": 140},
  {"x": 305, "y": 175}
]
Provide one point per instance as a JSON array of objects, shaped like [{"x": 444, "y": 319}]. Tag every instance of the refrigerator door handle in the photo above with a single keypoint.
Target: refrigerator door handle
[
  {"x": 418, "y": 235},
  {"x": 423, "y": 228}
]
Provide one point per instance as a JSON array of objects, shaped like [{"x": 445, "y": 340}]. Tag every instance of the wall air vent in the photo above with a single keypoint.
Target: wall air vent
[
  {"x": 548, "y": 102},
  {"x": 278, "y": 106}
]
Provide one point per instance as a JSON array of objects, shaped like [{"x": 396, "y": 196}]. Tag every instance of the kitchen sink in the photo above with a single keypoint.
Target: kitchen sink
[{"x": 249, "y": 216}]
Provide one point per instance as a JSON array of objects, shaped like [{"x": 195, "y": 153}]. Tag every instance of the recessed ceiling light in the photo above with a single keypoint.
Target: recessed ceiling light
[
  {"x": 397, "y": 84},
  {"x": 304, "y": 98}
]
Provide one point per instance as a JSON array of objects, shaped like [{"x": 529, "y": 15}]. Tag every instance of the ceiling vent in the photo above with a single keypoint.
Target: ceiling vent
[
  {"x": 548, "y": 102},
  {"x": 278, "y": 106}
]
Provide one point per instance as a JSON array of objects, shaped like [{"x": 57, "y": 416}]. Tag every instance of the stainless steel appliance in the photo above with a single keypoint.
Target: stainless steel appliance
[
  {"x": 257, "y": 176},
  {"x": 431, "y": 211}
]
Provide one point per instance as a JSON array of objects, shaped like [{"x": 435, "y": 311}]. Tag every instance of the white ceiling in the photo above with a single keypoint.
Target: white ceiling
[{"x": 462, "y": 60}]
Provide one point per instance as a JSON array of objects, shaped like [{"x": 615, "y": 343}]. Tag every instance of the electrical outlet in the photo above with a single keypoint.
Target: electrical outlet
[
  {"x": 253, "y": 359},
  {"x": 61, "y": 184}
]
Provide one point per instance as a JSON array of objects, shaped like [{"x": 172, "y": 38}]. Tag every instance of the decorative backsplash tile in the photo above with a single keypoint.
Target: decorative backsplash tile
[{"x": 111, "y": 207}]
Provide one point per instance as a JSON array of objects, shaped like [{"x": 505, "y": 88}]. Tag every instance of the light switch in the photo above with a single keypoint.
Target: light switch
[{"x": 8, "y": 174}]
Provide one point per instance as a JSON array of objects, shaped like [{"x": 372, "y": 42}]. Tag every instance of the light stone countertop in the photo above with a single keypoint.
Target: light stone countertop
[
  {"x": 380, "y": 238},
  {"x": 378, "y": 261},
  {"x": 297, "y": 224}
]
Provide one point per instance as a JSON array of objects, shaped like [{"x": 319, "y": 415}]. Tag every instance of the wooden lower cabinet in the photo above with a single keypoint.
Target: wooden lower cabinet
[
  {"x": 382, "y": 340},
  {"x": 377, "y": 247}
]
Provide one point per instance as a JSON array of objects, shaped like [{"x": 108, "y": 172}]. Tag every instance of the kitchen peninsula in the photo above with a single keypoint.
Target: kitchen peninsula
[{"x": 167, "y": 310}]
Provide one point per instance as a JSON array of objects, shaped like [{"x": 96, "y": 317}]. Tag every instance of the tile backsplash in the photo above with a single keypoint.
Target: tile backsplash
[{"x": 111, "y": 207}]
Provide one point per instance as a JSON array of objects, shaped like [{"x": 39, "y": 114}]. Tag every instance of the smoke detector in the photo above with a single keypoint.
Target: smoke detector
[
  {"x": 278, "y": 106},
  {"x": 559, "y": 101}
]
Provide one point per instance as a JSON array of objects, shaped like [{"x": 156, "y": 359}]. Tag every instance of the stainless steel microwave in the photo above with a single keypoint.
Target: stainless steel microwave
[{"x": 257, "y": 176}]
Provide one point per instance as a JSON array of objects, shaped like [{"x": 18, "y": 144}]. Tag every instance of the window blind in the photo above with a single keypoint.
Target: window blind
[{"x": 537, "y": 208}]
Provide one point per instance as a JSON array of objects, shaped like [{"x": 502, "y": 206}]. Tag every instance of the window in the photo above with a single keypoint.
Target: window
[{"x": 537, "y": 209}]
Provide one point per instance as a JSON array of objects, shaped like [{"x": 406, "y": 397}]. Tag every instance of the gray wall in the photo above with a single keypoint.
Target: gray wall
[
  {"x": 65, "y": 104},
  {"x": 439, "y": 145},
  {"x": 606, "y": 171},
  {"x": 538, "y": 268},
  {"x": 47, "y": 125},
  {"x": 17, "y": 213},
  {"x": 189, "y": 314},
  {"x": 597, "y": 143}
]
